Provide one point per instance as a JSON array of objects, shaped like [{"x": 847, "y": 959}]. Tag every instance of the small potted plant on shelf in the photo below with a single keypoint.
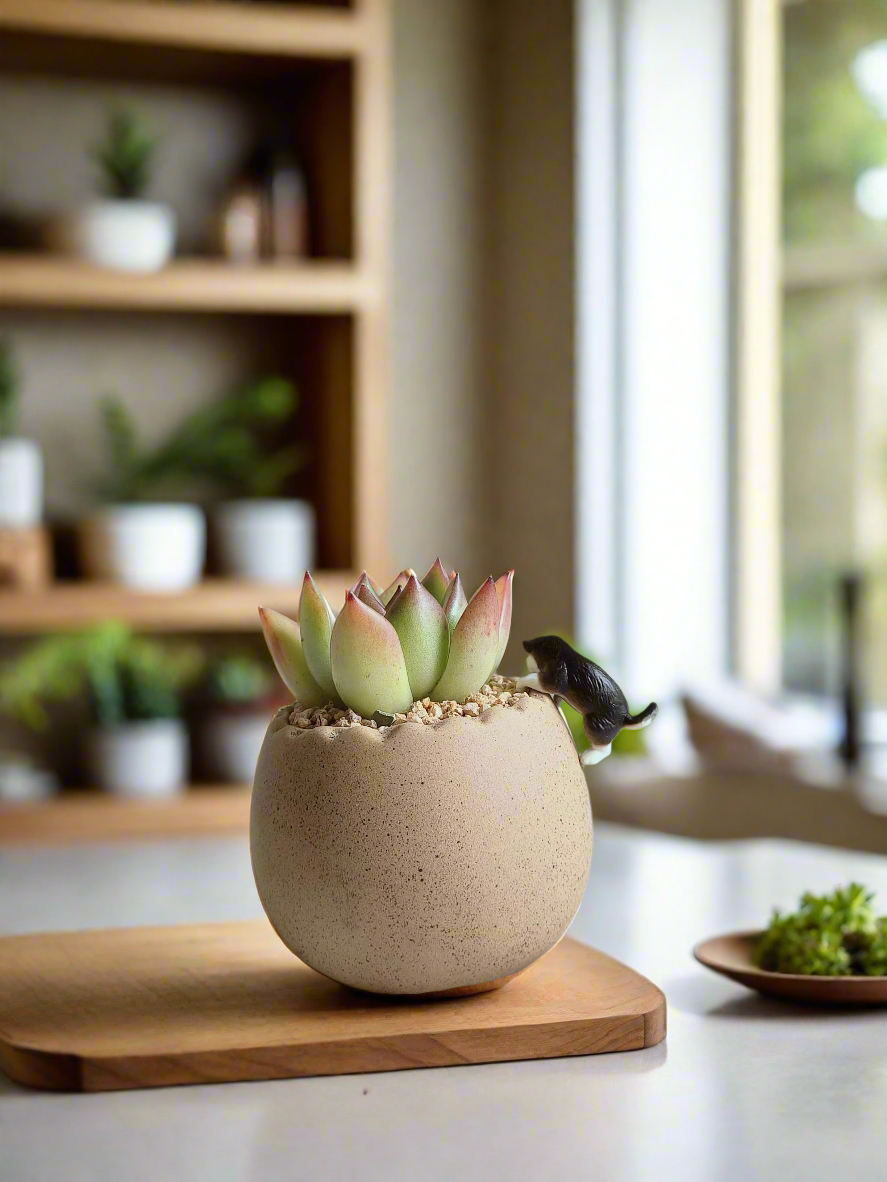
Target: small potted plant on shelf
[
  {"x": 123, "y": 230},
  {"x": 138, "y": 744},
  {"x": 259, "y": 534},
  {"x": 241, "y": 694},
  {"x": 421, "y": 824},
  {"x": 21, "y": 461},
  {"x": 145, "y": 544}
]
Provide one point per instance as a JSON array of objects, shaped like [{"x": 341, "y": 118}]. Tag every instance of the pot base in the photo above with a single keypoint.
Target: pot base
[{"x": 465, "y": 990}]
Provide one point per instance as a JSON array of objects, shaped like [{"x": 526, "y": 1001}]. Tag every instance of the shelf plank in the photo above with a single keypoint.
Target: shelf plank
[
  {"x": 95, "y": 816},
  {"x": 216, "y": 605},
  {"x": 258, "y": 29},
  {"x": 186, "y": 285}
]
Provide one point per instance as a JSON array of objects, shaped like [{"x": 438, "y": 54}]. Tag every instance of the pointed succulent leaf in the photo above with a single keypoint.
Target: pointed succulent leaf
[
  {"x": 394, "y": 598},
  {"x": 285, "y": 645},
  {"x": 419, "y": 621},
  {"x": 436, "y": 580},
  {"x": 367, "y": 595},
  {"x": 473, "y": 647},
  {"x": 365, "y": 580},
  {"x": 503, "y": 595},
  {"x": 454, "y": 602},
  {"x": 399, "y": 581},
  {"x": 316, "y": 621},
  {"x": 367, "y": 661}
]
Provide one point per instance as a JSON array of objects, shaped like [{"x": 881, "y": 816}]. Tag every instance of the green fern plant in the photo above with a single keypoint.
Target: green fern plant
[
  {"x": 238, "y": 679},
  {"x": 127, "y": 678},
  {"x": 9, "y": 391},
  {"x": 221, "y": 446},
  {"x": 125, "y": 156}
]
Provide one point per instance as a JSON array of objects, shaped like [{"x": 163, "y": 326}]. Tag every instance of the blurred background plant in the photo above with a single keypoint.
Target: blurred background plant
[
  {"x": 218, "y": 450},
  {"x": 124, "y": 157},
  {"x": 9, "y": 390},
  {"x": 239, "y": 679},
  {"x": 127, "y": 677}
]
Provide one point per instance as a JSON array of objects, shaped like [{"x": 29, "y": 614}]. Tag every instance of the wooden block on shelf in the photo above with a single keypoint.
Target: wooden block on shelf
[{"x": 25, "y": 556}]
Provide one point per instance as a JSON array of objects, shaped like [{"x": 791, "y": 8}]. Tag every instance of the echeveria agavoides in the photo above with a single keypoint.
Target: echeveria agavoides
[
  {"x": 419, "y": 621},
  {"x": 285, "y": 645},
  {"x": 316, "y": 621},
  {"x": 385, "y": 650},
  {"x": 474, "y": 646},
  {"x": 367, "y": 661}
]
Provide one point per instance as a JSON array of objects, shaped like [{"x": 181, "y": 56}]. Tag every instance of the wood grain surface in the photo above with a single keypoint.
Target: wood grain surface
[
  {"x": 98, "y": 816},
  {"x": 151, "y": 1007}
]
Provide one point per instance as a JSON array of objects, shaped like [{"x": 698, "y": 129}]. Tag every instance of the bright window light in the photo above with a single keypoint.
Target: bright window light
[
  {"x": 871, "y": 193},
  {"x": 869, "y": 71}
]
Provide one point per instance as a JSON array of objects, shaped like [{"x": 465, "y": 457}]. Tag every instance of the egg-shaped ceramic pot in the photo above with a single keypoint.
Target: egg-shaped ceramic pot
[{"x": 422, "y": 859}]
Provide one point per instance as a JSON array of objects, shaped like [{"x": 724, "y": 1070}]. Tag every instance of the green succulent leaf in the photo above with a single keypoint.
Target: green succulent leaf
[
  {"x": 285, "y": 645},
  {"x": 473, "y": 647},
  {"x": 399, "y": 582},
  {"x": 420, "y": 623},
  {"x": 454, "y": 602},
  {"x": 367, "y": 661},
  {"x": 436, "y": 580},
  {"x": 504, "y": 596},
  {"x": 363, "y": 589},
  {"x": 316, "y": 621}
]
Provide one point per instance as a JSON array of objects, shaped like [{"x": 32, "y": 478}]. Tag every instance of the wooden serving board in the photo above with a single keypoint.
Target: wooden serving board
[{"x": 149, "y": 1007}]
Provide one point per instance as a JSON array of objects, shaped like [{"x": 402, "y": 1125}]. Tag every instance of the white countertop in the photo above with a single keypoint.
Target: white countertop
[{"x": 743, "y": 1089}]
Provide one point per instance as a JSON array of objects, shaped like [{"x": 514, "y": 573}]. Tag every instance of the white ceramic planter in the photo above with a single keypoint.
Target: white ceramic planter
[
  {"x": 21, "y": 483},
  {"x": 141, "y": 759},
  {"x": 146, "y": 547},
  {"x": 230, "y": 744},
  {"x": 269, "y": 541},
  {"x": 124, "y": 235}
]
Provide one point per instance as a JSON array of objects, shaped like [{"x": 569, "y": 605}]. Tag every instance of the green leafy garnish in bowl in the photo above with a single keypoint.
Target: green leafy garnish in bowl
[{"x": 836, "y": 935}]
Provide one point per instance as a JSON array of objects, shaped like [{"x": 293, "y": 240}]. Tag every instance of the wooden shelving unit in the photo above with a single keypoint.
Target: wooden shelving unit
[
  {"x": 324, "y": 68},
  {"x": 202, "y": 811},
  {"x": 257, "y": 29},
  {"x": 187, "y": 285},
  {"x": 216, "y": 605}
]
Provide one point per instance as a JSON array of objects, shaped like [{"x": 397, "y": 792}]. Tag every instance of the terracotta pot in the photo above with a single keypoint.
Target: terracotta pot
[{"x": 422, "y": 859}]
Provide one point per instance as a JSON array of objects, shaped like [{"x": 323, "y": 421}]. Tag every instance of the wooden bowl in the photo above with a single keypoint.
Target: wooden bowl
[{"x": 731, "y": 956}]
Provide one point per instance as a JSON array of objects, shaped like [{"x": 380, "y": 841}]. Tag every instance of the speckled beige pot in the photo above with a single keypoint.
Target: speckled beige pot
[{"x": 422, "y": 859}]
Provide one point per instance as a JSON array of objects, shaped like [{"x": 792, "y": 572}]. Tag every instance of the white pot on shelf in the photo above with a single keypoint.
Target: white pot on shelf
[
  {"x": 265, "y": 540},
  {"x": 140, "y": 759},
  {"x": 151, "y": 547},
  {"x": 126, "y": 235},
  {"x": 230, "y": 743},
  {"x": 21, "y": 483}
]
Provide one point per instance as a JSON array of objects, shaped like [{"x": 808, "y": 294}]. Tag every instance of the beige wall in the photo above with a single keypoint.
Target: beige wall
[
  {"x": 481, "y": 434},
  {"x": 437, "y": 484},
  {"x": 531, "y": 309}
]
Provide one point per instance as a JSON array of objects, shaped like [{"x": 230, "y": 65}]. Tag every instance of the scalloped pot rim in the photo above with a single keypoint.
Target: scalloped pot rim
[{"x": 489, "y": 717}]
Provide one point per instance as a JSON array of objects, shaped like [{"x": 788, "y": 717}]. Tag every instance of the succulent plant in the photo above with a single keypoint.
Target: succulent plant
[
  {"x": 388, "y": 648},
  {"x": 9, "y": 391},
  {"x": 125, "y": 155}
]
